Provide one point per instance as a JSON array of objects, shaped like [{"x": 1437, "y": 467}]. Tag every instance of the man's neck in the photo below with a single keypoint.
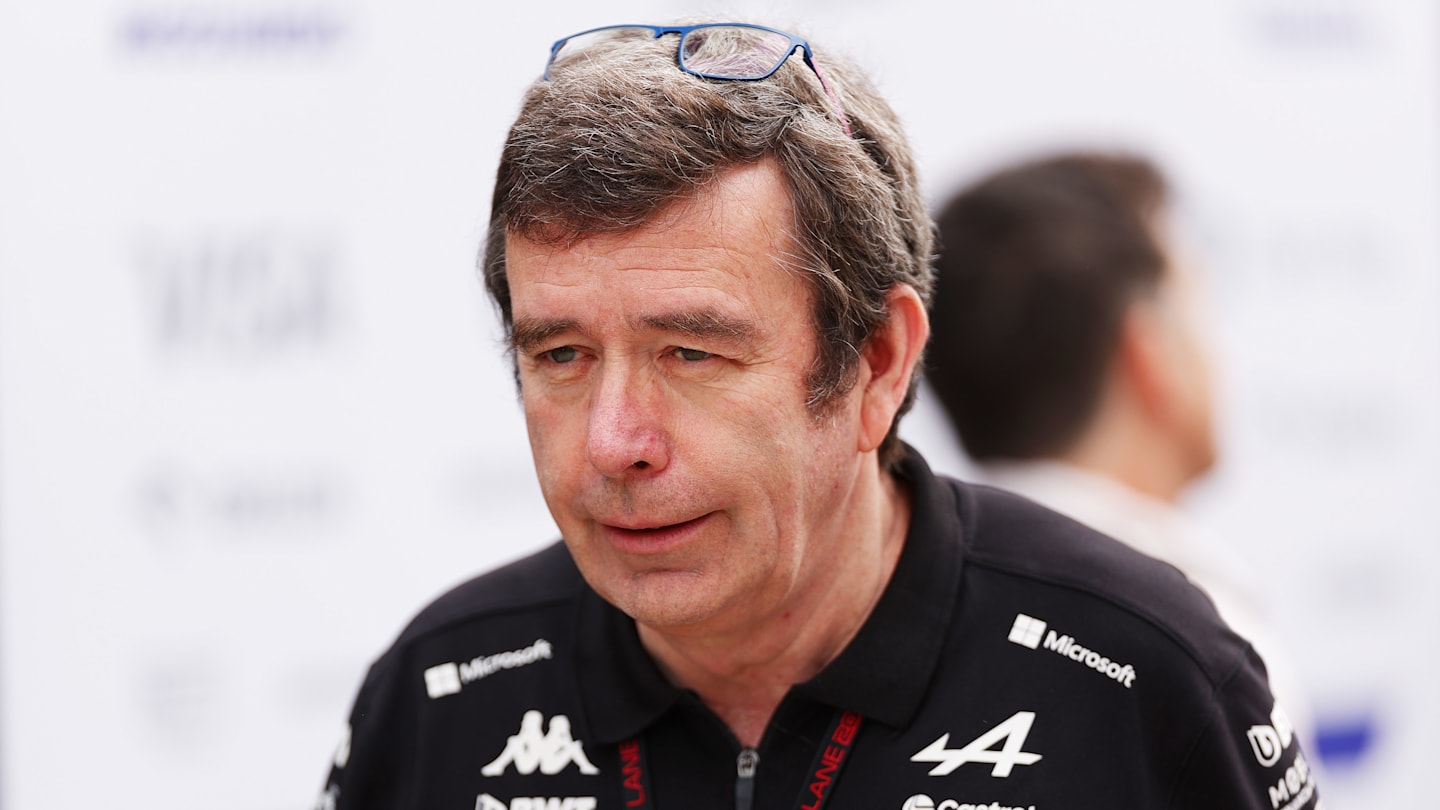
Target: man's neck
[
  {"x": 1124, "y": 445},
  {"x": 742, "y": 673}
]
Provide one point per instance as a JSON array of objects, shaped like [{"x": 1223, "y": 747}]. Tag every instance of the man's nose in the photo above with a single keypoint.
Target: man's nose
[{"x": 627, "y": 424}]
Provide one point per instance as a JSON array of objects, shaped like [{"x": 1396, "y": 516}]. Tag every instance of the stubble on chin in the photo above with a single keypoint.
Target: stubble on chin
[{"x": 660, "y": 598}]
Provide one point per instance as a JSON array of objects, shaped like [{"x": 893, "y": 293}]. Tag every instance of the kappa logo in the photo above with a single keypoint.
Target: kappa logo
[
  {"x": 487, "y": 802},
  {"x": 535, "y": 748},
  {"x": 1013, "y": 732},
  {"x": 448, "y": 678},
  {"x": 1269, "y": 742}
]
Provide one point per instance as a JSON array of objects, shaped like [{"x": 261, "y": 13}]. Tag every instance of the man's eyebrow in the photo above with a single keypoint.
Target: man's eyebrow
[
  {"x": 531, "y": 332},
  {"x": 528, "y": 333},
  {"x": 703, "y": 323}
]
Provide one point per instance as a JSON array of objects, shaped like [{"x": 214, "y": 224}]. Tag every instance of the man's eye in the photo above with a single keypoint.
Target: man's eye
[
  {"x": 564, "y": 354},
  {"x": 691, "y": 355}
]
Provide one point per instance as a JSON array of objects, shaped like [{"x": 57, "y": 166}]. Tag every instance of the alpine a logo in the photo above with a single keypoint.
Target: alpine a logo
[
  {"x": 536, "y": 748},
  {"x": 982, "y": 749},
  {"x": 447, "y": 679},
  {"x": 487, "y": 802},
  {"x": 1028, "y": 630}
]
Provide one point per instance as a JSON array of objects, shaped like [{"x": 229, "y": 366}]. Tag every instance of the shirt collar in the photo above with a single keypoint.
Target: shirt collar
[
  {"x": 883, "y": 673},
  {"x": 886, "y": 669},
  {"x": 621, "y": 689}
]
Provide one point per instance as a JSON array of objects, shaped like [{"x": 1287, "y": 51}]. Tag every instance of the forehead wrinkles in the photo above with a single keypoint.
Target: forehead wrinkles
[
  {"x": 704, "y": 200},
  {"x": 731, "y": 227},
  {"x": 686, "y": 248}
]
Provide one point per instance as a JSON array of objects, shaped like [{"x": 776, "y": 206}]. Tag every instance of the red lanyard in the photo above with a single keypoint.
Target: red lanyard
[{"x": 825, "y": 769}]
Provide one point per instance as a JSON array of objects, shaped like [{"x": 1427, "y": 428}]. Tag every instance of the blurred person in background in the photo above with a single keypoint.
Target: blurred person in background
[{"x": 1068, "y": 353}]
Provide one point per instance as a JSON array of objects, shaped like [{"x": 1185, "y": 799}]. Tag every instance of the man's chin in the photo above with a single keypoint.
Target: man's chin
[{"x": 664, "y": 599}]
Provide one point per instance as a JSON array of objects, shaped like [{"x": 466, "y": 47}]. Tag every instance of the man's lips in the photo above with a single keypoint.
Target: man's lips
[{"x": 652, "y": 539}]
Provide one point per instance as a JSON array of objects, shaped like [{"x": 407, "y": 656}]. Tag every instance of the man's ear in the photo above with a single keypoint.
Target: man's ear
[
  {"x": 887, "y": 364},
  {"x": 1143, "y": 359}
]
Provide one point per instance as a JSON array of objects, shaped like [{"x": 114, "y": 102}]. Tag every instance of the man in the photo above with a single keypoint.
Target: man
[
  {"x": 713, "y": 276},
  {"x": 1068, "y": 357},
  {"x": 1064, "y": 325}
]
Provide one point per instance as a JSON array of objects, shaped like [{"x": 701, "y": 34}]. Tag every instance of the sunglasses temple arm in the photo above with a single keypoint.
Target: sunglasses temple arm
[{"x": 834, "y": 99}]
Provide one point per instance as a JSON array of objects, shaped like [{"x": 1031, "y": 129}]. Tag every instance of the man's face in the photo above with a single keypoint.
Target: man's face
[{"x": 663, "y": 372}]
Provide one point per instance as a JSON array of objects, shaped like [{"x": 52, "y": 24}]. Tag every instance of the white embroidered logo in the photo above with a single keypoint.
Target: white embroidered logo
[
  {"x": 547, "y": 751},
  {"x": 1012, "y": 731},
  {"x": 449, "y": 678},
  {"x": 442, "y": 680},
  {"x": 1269, "y": 742},
  {"x": 1027, "y": 631},
  {"x": 487, "y": 802}
]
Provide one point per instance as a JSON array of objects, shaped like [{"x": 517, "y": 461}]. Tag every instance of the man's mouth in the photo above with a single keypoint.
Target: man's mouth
[{"x": 642, "y": 538}]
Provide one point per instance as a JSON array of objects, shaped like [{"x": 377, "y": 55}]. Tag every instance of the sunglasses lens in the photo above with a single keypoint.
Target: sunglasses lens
[{"x": 733, "y": 51}]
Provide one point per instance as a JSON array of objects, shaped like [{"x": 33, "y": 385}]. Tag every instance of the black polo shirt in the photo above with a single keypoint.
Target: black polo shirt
[{"x": 1016, "y": 660}]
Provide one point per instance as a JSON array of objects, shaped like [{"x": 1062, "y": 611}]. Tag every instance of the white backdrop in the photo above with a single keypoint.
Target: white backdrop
[{"x": 253, "y": 413}]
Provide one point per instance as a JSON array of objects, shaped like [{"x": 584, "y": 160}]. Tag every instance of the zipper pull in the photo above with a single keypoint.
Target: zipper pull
[{"x": 745, "y": 766}]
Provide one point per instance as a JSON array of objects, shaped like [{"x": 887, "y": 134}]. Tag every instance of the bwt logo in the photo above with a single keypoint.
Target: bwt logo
[
  {"x": 487, "y": 802},
  {"x": 245, "y": 294}
]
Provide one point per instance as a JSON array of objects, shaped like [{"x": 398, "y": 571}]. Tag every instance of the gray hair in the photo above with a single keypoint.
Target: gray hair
[{"x": 611, "y": 139}]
